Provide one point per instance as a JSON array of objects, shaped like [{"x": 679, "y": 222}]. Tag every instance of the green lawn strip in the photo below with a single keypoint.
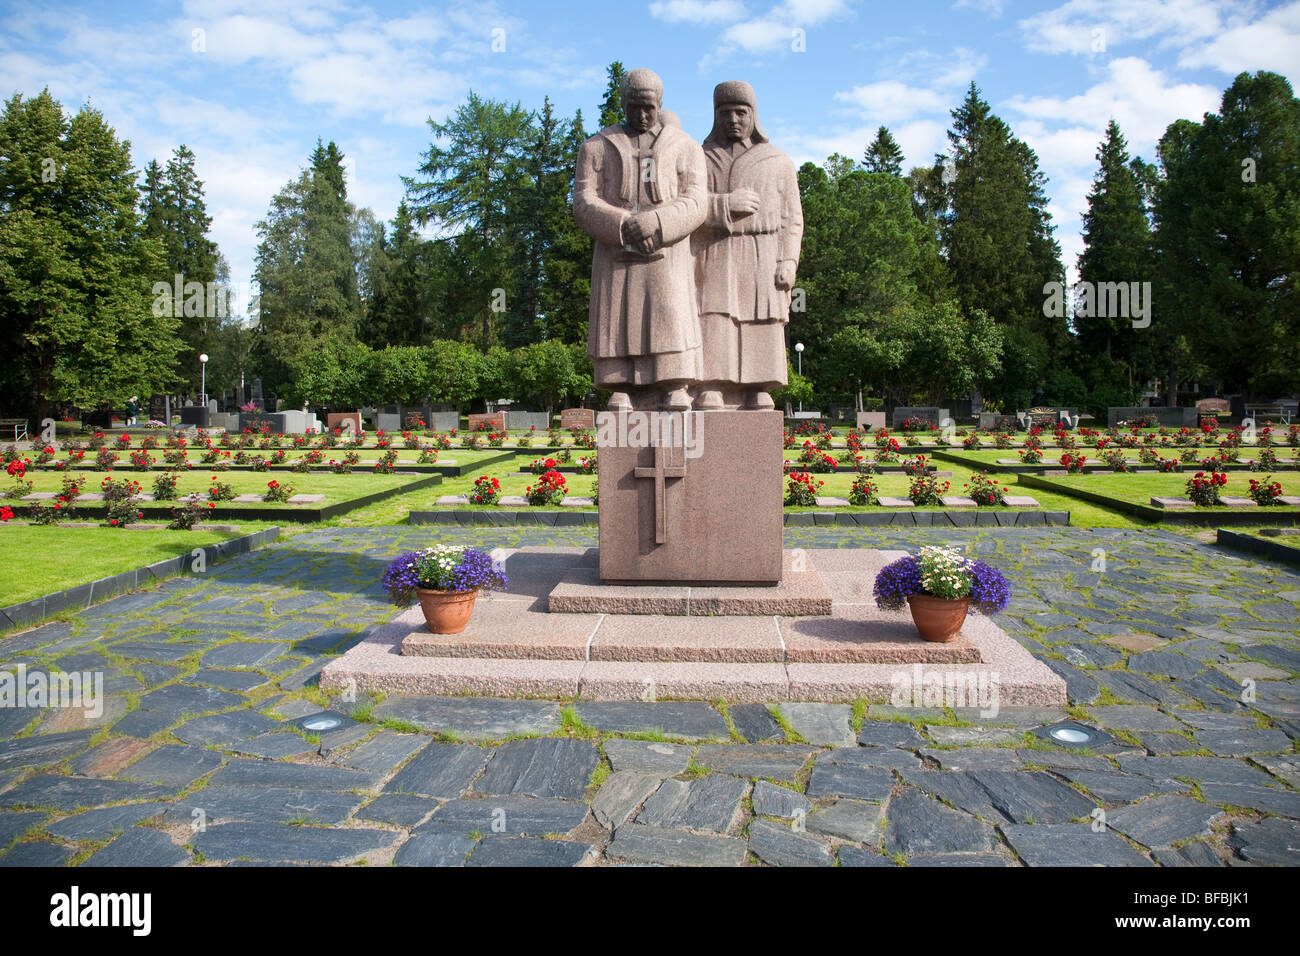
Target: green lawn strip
[
  {"x": 1139, "y": 488},
  {"x": 335, "y": 488},
  {"x": 42, "y": 560}
]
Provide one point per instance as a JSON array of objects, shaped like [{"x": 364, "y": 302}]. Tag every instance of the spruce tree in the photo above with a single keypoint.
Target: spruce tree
[
  {"x": 611, "y": 107},
  {"x": 1117, "y": 248},
  {"x": 884, "y": 154}
]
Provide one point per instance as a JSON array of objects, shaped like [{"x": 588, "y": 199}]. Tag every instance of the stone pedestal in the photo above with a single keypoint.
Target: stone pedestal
[{"x": 690, "y": 498}]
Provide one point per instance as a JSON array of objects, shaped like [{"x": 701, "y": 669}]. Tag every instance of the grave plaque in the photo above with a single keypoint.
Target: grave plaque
[
  {"x": 495, "y": 421},
  {"x": 578, "y": 418}
]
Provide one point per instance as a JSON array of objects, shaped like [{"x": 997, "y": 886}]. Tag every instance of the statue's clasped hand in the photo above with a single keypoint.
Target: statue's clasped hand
[
  {"x": 641, "y": 233},
  {"x": 742, "y": 202}
]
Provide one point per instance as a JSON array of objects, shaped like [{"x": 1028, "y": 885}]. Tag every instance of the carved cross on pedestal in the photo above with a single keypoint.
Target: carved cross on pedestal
[{"x": 663, "y": 470}]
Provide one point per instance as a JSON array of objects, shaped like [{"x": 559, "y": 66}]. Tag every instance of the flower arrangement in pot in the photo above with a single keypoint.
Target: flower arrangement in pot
[
  {"x": 940, "y": 586},
  {"x": 446, "y": 579}
]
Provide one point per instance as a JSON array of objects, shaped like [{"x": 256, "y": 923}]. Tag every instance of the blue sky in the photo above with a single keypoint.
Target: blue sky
[{"x": 250, "y": 85}]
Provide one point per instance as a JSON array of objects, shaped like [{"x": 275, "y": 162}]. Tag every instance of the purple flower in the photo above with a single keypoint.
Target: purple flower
[
  {"x": 478, "y": 570},
  {"x": 989, "y": 590},
  {"x": 401, "y": 578},
  {"x": 894, "y": 582}
]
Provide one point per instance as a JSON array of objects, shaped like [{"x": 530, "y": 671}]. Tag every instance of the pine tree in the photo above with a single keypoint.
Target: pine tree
[
  {"x": 611, "y": 107},
  {"x": 884, "y": 154}
]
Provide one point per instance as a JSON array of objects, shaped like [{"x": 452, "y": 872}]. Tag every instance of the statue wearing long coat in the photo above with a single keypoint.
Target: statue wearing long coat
[
  {"x": 643, "y": 326},
  {"x": 736, "y": 264}
]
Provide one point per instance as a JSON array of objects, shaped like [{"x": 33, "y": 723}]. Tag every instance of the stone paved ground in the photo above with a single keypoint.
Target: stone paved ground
[{"x": 197, "y": 756}]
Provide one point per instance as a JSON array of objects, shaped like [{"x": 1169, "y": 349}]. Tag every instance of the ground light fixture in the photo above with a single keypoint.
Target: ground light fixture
[
  {"x": 323, "y": 722},
  {"x": 1071, "y": 733}
]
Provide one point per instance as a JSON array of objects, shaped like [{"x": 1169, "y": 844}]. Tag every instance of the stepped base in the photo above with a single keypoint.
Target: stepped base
[
  {"x": 800, "y": 592},
  {"x": 514, "y": 647}
]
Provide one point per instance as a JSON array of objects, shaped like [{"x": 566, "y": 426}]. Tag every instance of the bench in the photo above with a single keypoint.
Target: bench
[
  {"x": 19, "y": 426},
  {"x": 1263, "y": 413}
]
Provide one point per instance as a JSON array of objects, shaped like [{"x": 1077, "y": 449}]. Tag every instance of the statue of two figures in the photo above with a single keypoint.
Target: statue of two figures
[{"x": 695, "y": 254}]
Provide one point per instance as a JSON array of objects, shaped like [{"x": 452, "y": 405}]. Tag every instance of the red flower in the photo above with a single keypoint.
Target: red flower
[{"x": 113, "y": 522}]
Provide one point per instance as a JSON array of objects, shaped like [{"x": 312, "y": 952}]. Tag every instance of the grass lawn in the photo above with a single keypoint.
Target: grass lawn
[
  {"x": 335, "y": 488},
  {"x": 1140, "y": 488},
  {"x": 41, "y": 560}
]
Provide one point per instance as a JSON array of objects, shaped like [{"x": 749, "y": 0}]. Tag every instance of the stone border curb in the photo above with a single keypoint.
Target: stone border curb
[
  {"x": 956, "y": 518},
  {"x": 1251, "y": 544}
]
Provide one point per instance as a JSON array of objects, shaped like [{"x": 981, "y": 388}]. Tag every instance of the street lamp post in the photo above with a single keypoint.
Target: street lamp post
[
  {"x": 798, "y": 348},
  {"x": 203, "y": 379}
]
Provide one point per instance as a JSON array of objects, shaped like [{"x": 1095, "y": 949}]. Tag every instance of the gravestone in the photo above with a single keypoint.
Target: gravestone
[
  {"x": 1045, "y": 418},
  {"x": 388, "y": 418},
  {"x": 577, "y": 418},
  {"x": 158, "y": 408},
  {"x": 256, "y": 421},
  {"x": 416, "y": 418},
  {"x": 997, "y": 421},
  {"x": 444, "y": 421},
  {"x": 257, "y": 398},
  {"x": 196, "y": 416},
  {"x": 496, "y": 421},
  {"x": 336, "y": 419},
  {"x": 871, "y": 420},
  {"x": 523, "y": 421},
  {"x": 928, "y": 413},
  {"x": 1176, "y": 417},
  {"x": 1218, "y": 408}
]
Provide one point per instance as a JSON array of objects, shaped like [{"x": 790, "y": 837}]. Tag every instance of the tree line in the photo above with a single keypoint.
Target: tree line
[{"x": 914, "y": 286}]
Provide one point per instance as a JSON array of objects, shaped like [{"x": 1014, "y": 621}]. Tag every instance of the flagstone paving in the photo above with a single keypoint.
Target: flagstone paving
[{"x": 1187, "y": 655}]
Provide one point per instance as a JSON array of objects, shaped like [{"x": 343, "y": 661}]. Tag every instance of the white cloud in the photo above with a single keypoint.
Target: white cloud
[
  {"x": 1271, "y": 43},
  {"x": 774, "y": 31},
  {"x": 1141, "y": 99},
  {"x": 890, "y": 101},
  {"x": 1094, "y": 26},
  {"x": 697, "y": 11},
  {"x": 924, "y": 83}
]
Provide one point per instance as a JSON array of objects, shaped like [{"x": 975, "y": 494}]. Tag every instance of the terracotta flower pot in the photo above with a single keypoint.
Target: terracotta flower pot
[
  {"x": 938, "y": 619},
  {"x": 447, "y": 612}
]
